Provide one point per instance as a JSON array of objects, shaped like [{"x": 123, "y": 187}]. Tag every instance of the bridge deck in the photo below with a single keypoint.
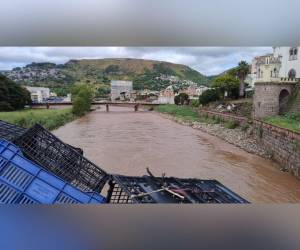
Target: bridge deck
[{"x": 95, "y": 103}]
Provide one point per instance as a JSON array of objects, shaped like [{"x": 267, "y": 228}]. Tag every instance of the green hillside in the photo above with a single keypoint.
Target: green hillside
[{"x": 148, "y": 74}]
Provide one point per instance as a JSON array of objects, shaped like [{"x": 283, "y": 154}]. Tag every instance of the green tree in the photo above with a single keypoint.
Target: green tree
[
  {"x": 12, "y": 95},
  {"x": 210, "y": 95},
  {"x": 181, "y": 99},
  {"x": 227, "y": 83},
  {"x": 242, "y": 71},
  {"x": 102, "y": 91},
  {"x": 82, "y": 97}
]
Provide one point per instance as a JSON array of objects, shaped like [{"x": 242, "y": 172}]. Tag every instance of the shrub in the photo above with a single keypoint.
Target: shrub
[
  {"x": 293, "y": 116},
  {"x": 82, "y": 99},
  {"x": 218, "y": 119},
  {"x": 177, "y": 100},
  {"x": 245, "y": 127},
  {"x": 195, "y": 103},
  {"x": 210, "y": 95},
  {"x": 79, "y": 106},
  {"x": 231, "y": 124},
  {"x": 182, "y": 99}
]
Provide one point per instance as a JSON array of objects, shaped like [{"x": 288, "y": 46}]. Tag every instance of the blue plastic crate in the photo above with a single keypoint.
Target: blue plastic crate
[{"x": 24, "y": 182}]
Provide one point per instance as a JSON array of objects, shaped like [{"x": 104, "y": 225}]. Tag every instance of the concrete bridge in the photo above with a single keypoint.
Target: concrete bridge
[{"x": 135, "y": 105}]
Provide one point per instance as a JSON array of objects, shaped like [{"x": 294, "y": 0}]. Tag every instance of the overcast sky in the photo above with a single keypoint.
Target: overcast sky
[{"x": 206, "y": 60}]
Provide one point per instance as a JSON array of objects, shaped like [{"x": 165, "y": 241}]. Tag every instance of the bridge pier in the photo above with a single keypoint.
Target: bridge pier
[
  {"x": 107, "y": 108},
  {"x": 136, "y": 107}
]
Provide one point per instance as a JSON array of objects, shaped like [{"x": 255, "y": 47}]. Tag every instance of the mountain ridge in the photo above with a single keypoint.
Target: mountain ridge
[{"x": 145, "y": 74}]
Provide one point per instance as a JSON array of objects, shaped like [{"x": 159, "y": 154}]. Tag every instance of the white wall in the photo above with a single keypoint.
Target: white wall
[
  {"x": 165, "y": 100},
  {"x": 286, "y": 64},
  {"x": 38, "y": 93}
]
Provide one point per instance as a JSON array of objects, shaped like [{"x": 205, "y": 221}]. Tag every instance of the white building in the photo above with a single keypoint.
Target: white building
[
  {"x": 282, "y": 65},
  {"x": 120, "y": 89},
  {"x": 38, "y": 94},
  {"x": 290, "y": 61}
]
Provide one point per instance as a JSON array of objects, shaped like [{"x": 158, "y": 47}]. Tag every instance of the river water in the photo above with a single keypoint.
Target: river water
[{"x": 126, "y": 142}]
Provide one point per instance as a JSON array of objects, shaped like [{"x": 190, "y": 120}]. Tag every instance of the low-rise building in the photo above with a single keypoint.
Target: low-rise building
[
  {"x": 121, "y": 89},
  {"x": 168, "y": 92},
  {"x": 38, "y": 94}
]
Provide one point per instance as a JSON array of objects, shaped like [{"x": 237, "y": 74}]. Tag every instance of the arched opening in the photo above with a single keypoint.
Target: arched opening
[
  {"x": 292, "y": 74},
  {"x": 283, "y": 101}
]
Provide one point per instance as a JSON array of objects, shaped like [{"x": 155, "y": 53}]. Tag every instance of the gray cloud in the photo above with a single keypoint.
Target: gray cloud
[{"x": 207, "y": 60}]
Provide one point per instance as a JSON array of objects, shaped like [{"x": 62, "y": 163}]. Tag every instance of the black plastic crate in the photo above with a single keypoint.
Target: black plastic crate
[
  {"x": 63, "y": 160},
  {"x": 146, "y": 189},
  {"x": 9, "y": 131}
]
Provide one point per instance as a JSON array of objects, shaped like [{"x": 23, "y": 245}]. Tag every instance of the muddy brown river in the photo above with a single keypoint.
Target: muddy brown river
[{"x": 126, "y": 142}]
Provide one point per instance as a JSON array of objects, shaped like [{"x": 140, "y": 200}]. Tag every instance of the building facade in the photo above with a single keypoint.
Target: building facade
[
  {"x": 120, "y": 89},
  {"x": 290, "y": 61},
  {"x": 282, "y": 65},
  {"x": 275, "y": 79},
  {"x": 38, "y": 94},
  {"x": 267, "y": 68}
]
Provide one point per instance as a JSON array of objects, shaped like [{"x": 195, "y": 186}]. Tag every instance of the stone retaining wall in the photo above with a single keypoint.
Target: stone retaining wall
[
  {"x": 282, "y": 144},
  {"x": 225, "y": 117}
]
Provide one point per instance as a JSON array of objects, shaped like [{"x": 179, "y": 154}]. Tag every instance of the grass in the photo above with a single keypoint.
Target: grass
[
  {"x": 185, "y": 113},
  {"x": 289, "y": 121},
  {"x": 231, "y": 124},
  {"x": 49, "y": 118}
]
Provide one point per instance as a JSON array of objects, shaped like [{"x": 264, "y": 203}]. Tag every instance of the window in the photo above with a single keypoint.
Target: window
[
  {"x": 275, "y": 73},
  {"x": 293, "y": 53},
  {"x": 292, "y": 74}
]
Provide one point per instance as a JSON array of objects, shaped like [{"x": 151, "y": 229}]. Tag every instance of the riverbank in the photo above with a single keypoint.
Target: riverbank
[
  {"x": 240, "y": 136},
  {"x": 48, "y": 118},
  {"x": 126, "y": 142},
  {"x": 289, "y": 121}
]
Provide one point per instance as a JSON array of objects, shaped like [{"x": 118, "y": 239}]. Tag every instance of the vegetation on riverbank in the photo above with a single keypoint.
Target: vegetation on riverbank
[
  {"x": 189, "y": 114},
  {"x": 185, "y": 113},
  {"x": 12, "y": 95},
  {"x": 228, "y": 131},
  {"x": 82, "y": 99},
  {"x": 289, "y": 121},
  {"x": 49, "y": 118}
]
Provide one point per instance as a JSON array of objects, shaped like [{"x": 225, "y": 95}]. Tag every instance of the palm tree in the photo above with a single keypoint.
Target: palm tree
[{"x": 242, "y": 71}]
